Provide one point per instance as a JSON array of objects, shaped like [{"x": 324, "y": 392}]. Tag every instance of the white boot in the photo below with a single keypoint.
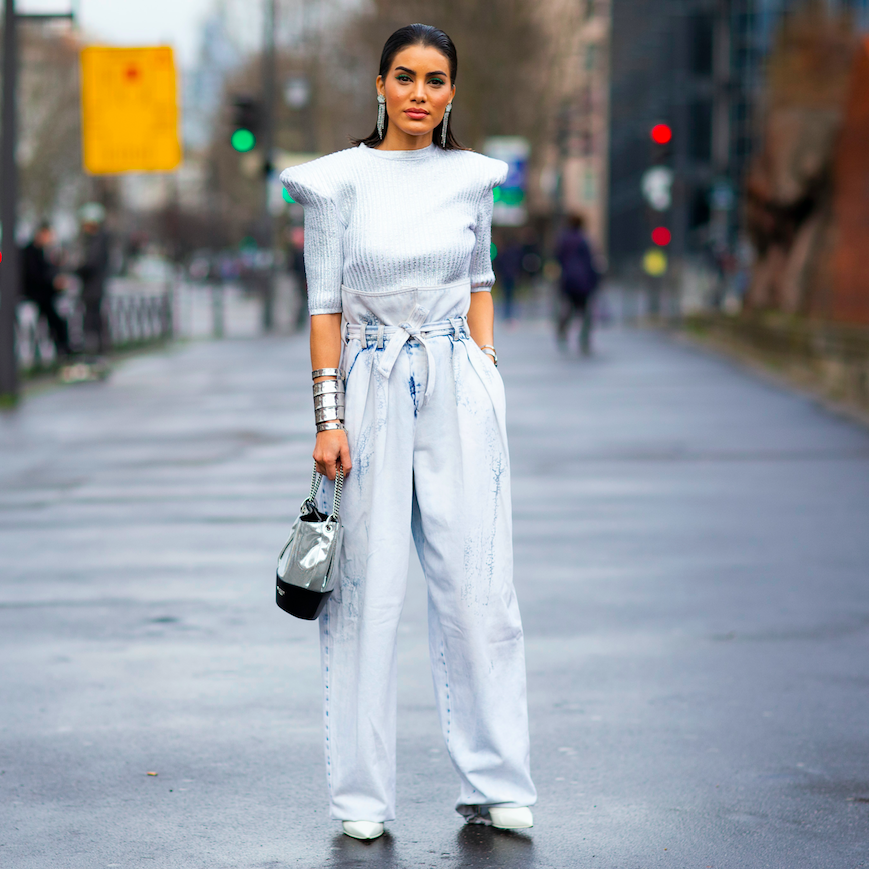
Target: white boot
[
  {"x": 511, "y": 819},
  {"x": 365, "y": 829}
]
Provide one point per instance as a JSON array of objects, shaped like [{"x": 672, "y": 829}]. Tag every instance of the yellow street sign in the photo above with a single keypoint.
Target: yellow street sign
[
  {"x": 655, "y": 262},
  {"x": 129, "y": 110}
]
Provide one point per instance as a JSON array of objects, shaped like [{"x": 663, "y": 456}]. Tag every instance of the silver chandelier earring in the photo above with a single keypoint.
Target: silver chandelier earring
[
  {"x": 381, "y": 114},
  {"x": 446, "y": 123}
]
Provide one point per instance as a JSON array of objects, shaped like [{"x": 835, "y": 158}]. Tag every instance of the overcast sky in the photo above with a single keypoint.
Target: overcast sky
[{"x": 138, "y": 22}]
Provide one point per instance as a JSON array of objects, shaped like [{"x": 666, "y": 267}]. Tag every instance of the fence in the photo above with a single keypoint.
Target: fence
[
  {"x": 134, "y": 316},
  {"x": 138, "y": 319}
]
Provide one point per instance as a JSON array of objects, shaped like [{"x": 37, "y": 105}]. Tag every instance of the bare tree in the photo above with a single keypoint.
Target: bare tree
[
  {"x": 502, "y": 62},
  {"x": 49, "y": 149},
  {"x": 507, "y": 61}
]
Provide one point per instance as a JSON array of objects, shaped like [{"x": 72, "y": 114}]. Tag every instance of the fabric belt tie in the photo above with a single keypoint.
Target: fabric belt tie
[{"x": 413, "y": 329}]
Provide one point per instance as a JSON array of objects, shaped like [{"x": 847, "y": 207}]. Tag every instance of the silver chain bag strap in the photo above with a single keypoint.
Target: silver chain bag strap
[{"x": 308, "y": 563}]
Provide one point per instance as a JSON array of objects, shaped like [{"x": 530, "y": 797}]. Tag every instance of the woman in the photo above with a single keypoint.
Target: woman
[{"x": 397, "y": 237}]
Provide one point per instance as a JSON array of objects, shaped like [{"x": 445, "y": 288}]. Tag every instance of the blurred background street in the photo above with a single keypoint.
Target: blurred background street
[
  {"x": 715, "y": 152},
  {"x": 688, "y": 421}
]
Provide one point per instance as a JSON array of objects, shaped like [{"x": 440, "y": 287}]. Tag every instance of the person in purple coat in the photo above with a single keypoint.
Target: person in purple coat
[{"x": 579, "y": 280}]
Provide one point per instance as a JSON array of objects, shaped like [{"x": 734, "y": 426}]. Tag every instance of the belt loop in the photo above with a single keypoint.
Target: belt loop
[
  {"x": 346, "y": 332},
  {"x": 457, "y": 324},
  {"x": 380, "y": 336}
]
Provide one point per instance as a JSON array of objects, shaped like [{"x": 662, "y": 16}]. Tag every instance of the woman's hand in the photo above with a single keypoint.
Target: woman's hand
[{"x": 331, "y": 450}]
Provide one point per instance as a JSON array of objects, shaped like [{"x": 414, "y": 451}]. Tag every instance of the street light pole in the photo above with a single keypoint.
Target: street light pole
[
  {"x": 10, "y": 277},
  {"x": 269, "y": 87},
  {"x": 268, "y": 138},
  {"x": 9, "y": 270}
]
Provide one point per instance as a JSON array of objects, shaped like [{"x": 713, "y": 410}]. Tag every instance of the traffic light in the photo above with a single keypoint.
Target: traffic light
[
  {"x": 661, "y": 134},
  {"x": 247, "y": 119},
  {"x": 657, "y": 185},
  {"x": 661, "y": 236}
]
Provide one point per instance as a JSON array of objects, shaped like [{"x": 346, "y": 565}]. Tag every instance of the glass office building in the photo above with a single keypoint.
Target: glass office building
[{"x": 697, "y": 66}]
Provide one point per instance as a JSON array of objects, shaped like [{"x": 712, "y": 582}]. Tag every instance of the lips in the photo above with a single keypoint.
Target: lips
[{"x": 416, "y": 114}]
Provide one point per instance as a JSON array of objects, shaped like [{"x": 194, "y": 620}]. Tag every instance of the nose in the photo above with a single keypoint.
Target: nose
[{"x": 419, "y": 93}]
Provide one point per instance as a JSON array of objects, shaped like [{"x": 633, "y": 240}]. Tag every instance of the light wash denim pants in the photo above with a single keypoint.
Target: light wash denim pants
[{"x": 425, "y": 422}]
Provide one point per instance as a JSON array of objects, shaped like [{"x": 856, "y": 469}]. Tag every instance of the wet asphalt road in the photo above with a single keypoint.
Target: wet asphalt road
[{"x": 692, "y": 553}]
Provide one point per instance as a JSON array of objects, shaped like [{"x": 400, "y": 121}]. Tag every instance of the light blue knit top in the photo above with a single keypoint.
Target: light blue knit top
[{"x": 379, "y": 221}]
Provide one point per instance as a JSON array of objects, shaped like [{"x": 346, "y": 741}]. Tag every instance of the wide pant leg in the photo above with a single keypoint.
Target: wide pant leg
[
  {"x": 442, "y": 468},
  {"x": 463, "y": 533},
  {"x": 359, "y": 627}
]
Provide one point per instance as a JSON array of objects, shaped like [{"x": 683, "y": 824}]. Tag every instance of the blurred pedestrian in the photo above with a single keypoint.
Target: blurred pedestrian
[
  {"x": 93, "y": 271},
  {"x": 43, "y": 284},
  {"x": 508, "y": 267},
  {"x": 407, "y": 317},
  {"x": 578, "y": 281}
]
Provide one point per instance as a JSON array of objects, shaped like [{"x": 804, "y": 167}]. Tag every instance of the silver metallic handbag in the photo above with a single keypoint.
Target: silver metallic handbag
[{"x": 308, "y": 563}]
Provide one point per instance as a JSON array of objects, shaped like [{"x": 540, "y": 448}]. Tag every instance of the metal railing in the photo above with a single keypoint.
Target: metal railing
[
  {"x": 140, "y": 311},
  {"x": 139, "y": 319},
  {"x": 132, "y": 319}
]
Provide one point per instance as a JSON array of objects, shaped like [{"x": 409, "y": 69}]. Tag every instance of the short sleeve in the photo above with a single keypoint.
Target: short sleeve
[
  {"x": 482, "y": 275},
  {"x": 324, "y": 240}
]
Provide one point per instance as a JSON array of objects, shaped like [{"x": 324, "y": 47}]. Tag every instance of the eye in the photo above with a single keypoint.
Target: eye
[
  {"x": 402, "y": 77},
  {"x": 436, "y": 81}
]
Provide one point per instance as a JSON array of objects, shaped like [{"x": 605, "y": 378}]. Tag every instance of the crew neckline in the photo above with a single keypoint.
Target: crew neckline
[{"x": 415, "y": 154}]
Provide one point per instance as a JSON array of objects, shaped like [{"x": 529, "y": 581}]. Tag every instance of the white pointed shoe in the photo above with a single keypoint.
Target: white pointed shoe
[
  {"x": 363, "y": 829},
  {"x": 511, "y": 819}
]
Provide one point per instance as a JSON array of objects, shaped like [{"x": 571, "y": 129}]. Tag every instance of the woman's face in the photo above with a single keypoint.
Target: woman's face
[{"x": 417, "y": 90}]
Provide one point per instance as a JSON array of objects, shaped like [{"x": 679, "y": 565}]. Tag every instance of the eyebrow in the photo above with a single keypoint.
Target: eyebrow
[{"x": 413, "y": 71}]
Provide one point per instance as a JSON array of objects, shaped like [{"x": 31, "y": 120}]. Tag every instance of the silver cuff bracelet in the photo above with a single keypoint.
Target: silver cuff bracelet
[
  {"x": 328, "y": 414},
  {"x": 327, "y": 386},
  {"x": 327, "y": 372},
  {"x": 329, "y": 400}
]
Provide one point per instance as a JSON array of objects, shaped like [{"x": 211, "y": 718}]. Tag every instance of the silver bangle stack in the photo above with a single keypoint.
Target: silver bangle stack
[{"x": 329, "y": 400}]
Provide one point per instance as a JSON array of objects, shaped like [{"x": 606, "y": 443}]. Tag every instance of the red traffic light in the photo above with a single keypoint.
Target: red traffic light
[
  {"x": 661, "y": 236},
  {"x": 661, "y": 134}
]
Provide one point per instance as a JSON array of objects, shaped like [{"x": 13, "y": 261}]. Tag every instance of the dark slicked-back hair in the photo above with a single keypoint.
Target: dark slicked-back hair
[{"x": 427, "y": 37}]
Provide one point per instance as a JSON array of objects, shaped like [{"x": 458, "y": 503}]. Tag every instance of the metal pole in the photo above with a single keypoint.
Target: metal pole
[
  {"x": 10, "y": 276},
  {"x": 9, "y": 269},
  {"x": 269, "y": 76},
  {"x": 268, "y": 131},
  {"x": 679, "y": 100}
]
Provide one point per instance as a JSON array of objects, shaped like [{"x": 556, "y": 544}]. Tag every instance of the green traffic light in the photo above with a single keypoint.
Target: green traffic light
[{"x": 243, "y": 140}]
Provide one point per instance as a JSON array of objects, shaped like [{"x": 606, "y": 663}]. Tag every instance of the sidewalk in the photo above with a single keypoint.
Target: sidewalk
[{"x": 691, "y": 560}]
